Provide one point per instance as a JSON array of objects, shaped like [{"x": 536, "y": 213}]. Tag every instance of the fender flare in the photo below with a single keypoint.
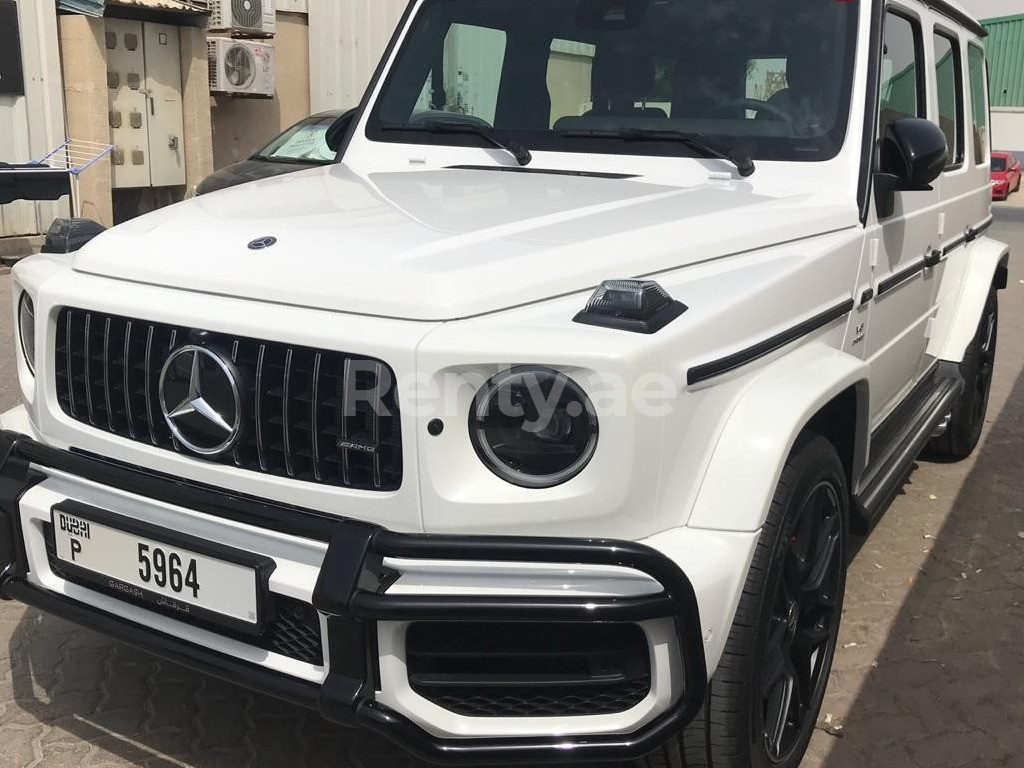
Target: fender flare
[
  {"x": 745, "y": 465},
  {"x": 988, "y": 263}
]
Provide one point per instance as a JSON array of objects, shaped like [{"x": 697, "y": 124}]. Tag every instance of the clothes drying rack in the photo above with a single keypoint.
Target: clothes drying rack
[{"x": 55, "y": 174}]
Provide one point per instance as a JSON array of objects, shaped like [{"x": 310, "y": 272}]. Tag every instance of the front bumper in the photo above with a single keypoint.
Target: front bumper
[{"x": 351, "y": 597}]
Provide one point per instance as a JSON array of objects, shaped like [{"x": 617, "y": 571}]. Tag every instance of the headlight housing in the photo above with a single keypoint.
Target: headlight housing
[
  {"x": 533, "y": 427},
  {"x": 27, "y": 330}
]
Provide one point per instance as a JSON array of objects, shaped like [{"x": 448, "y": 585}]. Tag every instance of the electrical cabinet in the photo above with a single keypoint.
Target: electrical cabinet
[{"x": 145, "y": 104}]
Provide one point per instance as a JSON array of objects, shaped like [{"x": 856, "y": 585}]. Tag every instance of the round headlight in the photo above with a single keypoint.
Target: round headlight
[
  {"x": 533, "y": 427},
  {"x": 27, "y": 330}
]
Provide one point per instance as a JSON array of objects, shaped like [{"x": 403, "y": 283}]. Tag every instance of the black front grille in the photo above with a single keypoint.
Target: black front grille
[
  {"x": 313, "y": 415},
  {"x": 293, "y": 631},
  {"x": 529, "y": 670}
]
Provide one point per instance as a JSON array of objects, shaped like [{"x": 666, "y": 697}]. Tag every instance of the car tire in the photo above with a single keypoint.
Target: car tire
[
  {"x": 1017, "y": 188},
  {"x": 805, "y": 538},
  {"x": 968, "y": 416}
]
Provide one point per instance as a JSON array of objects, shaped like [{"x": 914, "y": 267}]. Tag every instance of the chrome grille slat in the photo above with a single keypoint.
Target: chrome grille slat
[
  {"x": 127, "y": 380},
  {"x": 88, "y": 374},
  {"x": 375, "y": 432},
  {"x": 71, "y": 367},
  {"x": 286, "y": 412},
  {"x": 261, "y": 452},
  {"x": 148, "y": 364},
  {"x": 301, "y": 416},
  {"x": 170, "y": 348},
  {"x": 236, "y": 454},
  {"x": 348, "y": 387},
  {"x": 106, "y": 374},
  {"x": 314, "y": 417}
]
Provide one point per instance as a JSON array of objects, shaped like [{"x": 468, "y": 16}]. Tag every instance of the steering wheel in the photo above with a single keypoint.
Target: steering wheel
[{"x": 752, "y": 104}]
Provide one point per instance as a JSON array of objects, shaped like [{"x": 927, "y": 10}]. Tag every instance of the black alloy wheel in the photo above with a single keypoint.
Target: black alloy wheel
[{"x": 804, "y": 623}]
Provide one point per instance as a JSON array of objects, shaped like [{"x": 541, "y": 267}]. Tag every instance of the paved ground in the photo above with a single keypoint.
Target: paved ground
[{"x": 930, "y": 673}]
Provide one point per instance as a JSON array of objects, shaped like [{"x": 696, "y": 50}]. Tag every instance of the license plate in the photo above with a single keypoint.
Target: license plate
[{"x": 183, "y": 576}]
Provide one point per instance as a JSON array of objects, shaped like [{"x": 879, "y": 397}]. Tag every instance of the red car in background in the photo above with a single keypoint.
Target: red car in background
[{"x": 1006, "y": 175}]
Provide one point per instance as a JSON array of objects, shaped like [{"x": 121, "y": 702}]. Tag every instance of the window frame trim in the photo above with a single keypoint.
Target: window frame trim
[
  {"x": 920, "y": 60},
  {"x": 940, "y": 30},
  {"x": 987, "y": 160}
]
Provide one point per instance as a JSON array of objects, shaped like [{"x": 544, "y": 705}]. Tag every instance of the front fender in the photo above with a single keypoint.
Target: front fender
[
  {"x": 986, "y": 263},
  {"x": 739, "y": 483}
]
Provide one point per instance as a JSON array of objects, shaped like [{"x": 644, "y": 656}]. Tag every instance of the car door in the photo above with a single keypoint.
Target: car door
[{"x": 903, "y": 292}]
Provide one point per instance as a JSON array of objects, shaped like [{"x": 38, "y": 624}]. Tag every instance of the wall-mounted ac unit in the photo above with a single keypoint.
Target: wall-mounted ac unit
[
  {"x": 241, "y": 67},
  {"x": 250, "y": 17}
]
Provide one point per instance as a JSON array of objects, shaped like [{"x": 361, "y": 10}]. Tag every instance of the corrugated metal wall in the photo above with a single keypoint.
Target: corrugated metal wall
[
  {"x": 346, "y": 40},
  {"x": 32, "y": 125},
  {"x": 1005, "y": 49}
]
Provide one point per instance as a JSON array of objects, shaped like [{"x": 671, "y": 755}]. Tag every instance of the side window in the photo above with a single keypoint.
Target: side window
[
  {"x": 979, "y": 103},
  {"x": 466, "y": 77},
  {"x": 949, "y": 80},
  {"x": 902, "y": 89}
]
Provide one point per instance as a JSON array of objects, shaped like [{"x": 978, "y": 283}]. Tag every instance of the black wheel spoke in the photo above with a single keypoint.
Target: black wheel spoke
[
  {"x": 780, "y": 700},
  {"x": 827, "y": 547},
  {"x": 775, "y": 659},
  {"x": 804, "y": 620}
]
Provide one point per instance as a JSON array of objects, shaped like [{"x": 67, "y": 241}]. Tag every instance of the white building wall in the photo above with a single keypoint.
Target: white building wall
[
  {"x": 32, "y": 125},
  {"x": 346, "y": 41},
  {"x": 1008, "y": 129}
]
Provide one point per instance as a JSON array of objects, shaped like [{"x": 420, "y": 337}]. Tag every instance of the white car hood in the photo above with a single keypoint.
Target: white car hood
[{"x": 443, "y": 244}]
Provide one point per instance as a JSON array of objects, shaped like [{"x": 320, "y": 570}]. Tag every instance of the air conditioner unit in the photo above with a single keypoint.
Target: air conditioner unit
[
  {"x": 241, "y": 67},
  {"x": 251, "y": 17}
]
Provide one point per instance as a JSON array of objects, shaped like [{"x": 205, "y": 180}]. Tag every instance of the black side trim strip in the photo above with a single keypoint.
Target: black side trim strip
[
  {"x": 546, "y": 171},
  {"x": 868, "y": 295},
  {"x": 905, "y": 274},
  {"x": 941, "y": 6},
  {"x": 948, "y": 248},
  {"x": 975, "y": 232},
  {"x": 706, "y": 371}
]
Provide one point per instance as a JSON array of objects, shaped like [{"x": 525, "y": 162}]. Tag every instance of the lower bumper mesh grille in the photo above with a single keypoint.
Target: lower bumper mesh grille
[{"x": 529, "y": 670}]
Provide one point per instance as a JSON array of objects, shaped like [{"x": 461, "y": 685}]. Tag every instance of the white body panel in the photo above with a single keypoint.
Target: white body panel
[{"x": 451, "y": 275}]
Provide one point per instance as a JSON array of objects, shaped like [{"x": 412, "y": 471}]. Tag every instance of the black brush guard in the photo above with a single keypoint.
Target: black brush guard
[{"x": 351, "y": 593}]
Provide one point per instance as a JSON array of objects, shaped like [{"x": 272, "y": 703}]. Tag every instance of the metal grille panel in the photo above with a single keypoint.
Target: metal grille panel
[
  {"x": 529, "y": 670},
  {"x": 312, "y": 415}
]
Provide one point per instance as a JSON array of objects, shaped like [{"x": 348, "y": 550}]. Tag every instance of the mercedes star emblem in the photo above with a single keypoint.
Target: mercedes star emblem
[
  {"x": 262, "y": 243},
  {"x": 200, "y": 400}
]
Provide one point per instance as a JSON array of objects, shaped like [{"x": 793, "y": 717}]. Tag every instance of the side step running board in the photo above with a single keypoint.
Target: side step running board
[{"x": 894, "y": 447}]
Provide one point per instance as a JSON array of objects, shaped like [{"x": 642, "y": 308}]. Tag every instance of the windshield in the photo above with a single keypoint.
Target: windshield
[
  {"x": 771, "y": 78},
  {"x": 998, "y": 164},
  {"x": 305, "y": 142}
]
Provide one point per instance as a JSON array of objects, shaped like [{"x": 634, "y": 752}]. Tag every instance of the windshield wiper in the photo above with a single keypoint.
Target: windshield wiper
[
  {"x": 440, "y": 125},
  {"x": 694, "y": 141}
]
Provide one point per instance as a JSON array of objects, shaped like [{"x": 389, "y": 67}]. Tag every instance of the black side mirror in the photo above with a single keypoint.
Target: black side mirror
[
  {"x": 911, "y": 155},
  {"x": 335, "y": 136}
]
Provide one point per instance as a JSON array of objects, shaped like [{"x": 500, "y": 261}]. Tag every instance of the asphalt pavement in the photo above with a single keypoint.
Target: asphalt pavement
[{"x": 929, "y": 674}]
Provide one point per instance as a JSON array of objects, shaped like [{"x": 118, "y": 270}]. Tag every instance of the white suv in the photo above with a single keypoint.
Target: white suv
[{"x": 535, "y": 429}]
